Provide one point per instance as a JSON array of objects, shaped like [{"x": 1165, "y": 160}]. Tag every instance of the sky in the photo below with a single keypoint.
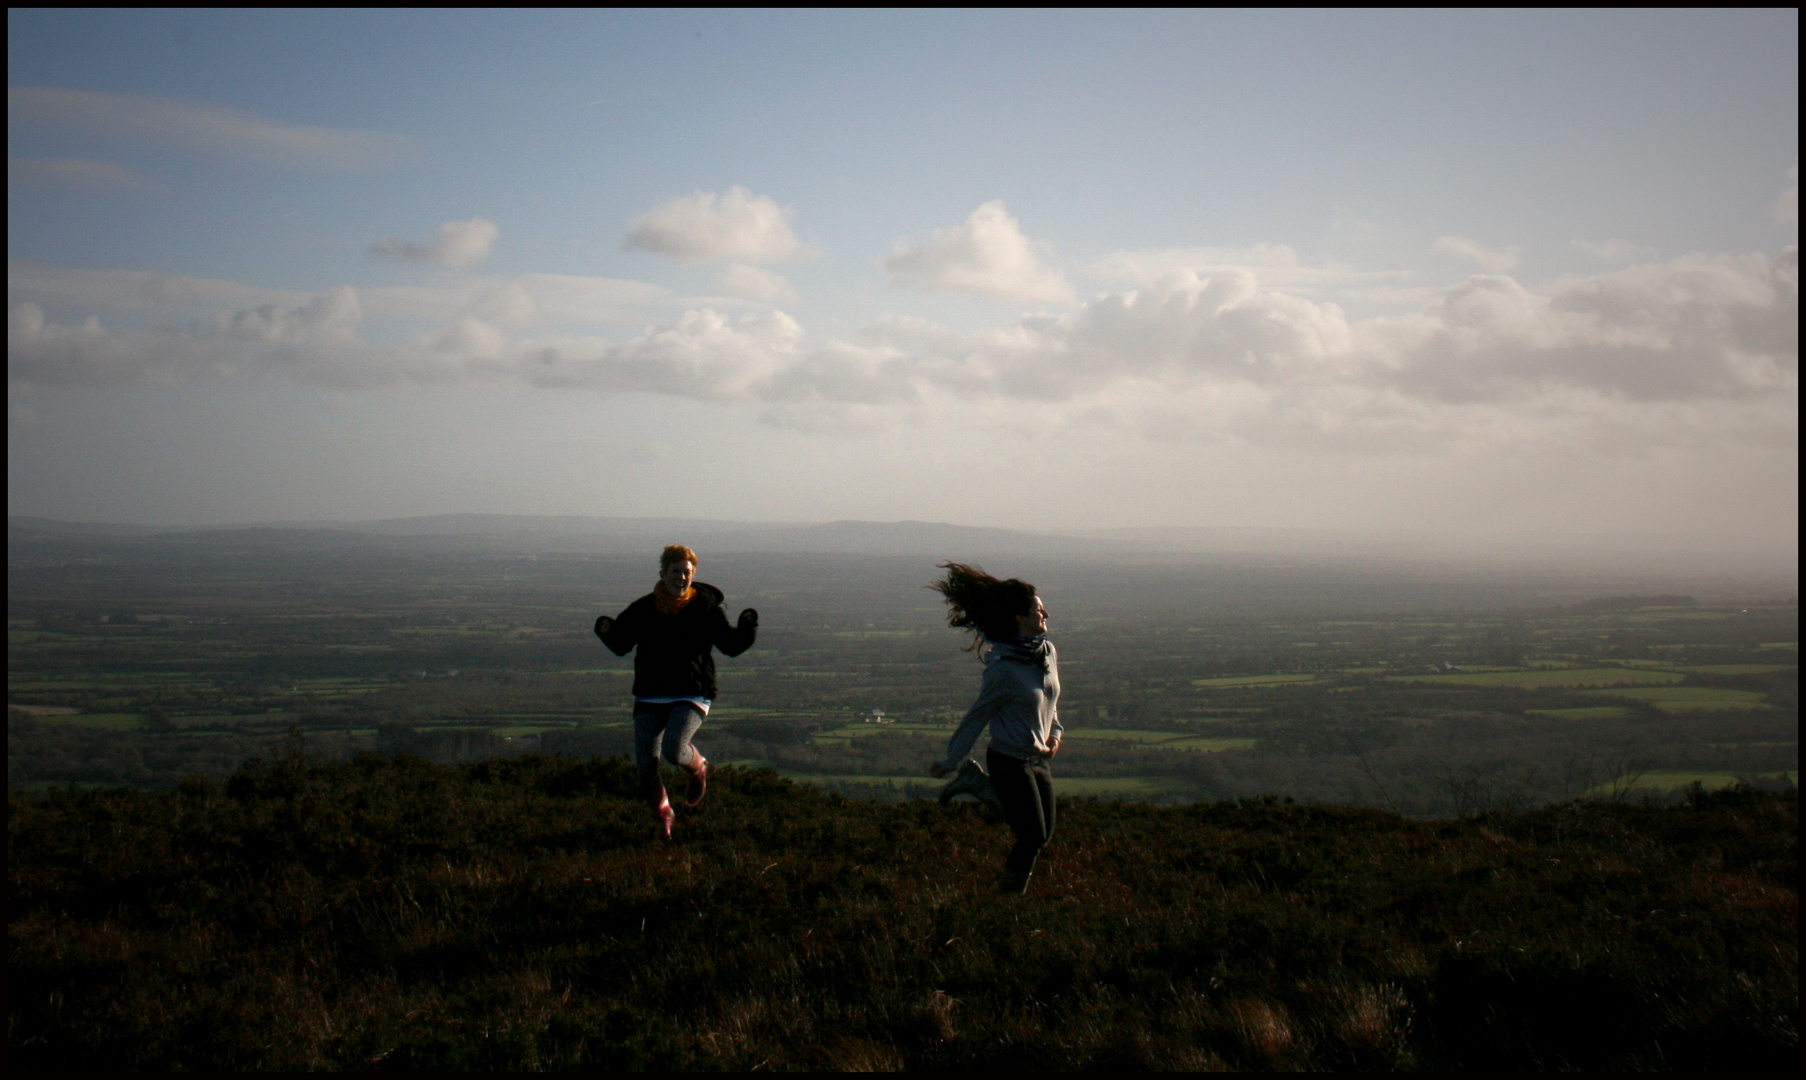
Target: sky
[{"x": 1452, "y": 274}]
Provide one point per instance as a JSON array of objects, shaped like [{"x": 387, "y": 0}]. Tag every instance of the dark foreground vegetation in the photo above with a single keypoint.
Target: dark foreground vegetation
[{"x": 387, "y": 913}]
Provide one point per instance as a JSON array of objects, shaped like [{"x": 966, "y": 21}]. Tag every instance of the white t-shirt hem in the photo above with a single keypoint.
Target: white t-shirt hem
[{"x": 701, "y": 703}]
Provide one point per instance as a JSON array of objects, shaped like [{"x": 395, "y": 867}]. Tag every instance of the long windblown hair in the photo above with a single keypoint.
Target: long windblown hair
[{"x": 978, "y": 602}]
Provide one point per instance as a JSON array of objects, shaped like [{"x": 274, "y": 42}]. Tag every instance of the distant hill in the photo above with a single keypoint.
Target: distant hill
[{"x": 1729, "y": 558}]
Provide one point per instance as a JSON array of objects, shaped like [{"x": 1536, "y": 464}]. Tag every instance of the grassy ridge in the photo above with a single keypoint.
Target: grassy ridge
[{"x": 390, "y": 913}]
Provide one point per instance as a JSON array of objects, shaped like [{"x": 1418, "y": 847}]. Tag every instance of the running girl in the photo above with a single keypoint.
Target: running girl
[{"x": 1018, "y": 700}]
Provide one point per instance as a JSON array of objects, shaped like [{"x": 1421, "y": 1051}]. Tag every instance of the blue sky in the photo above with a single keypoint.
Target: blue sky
[{"x": 1397, "y": 271}]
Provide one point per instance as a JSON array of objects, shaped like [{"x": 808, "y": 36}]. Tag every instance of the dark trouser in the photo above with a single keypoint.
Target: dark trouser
[
  {"x": 671, "y": 724},
  {"x": 1025, "y": 788}
]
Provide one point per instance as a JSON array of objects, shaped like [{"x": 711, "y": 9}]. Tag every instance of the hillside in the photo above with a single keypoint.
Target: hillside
[{"x": 392, "y": 913}]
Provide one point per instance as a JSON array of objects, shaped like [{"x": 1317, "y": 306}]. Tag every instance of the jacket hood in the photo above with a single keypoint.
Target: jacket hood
[
  {"x": 707, "y": 592},
  {"x": 1037, "y": 653}
]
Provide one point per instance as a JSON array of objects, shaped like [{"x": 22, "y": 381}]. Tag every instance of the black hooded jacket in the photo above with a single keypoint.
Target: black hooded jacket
[{"x": 674, "y": 658}]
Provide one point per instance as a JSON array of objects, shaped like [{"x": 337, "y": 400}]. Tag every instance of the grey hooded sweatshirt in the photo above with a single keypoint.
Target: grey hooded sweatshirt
[{"x": 1019, "y": 699}]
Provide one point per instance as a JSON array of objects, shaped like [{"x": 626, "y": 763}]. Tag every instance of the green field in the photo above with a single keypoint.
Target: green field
[
  {"x": 1073, "y": 786},
  {"x": 1166, "y": 740},
  {"x": 1088, "y": 734},
  {"x": 1589, "y": 712},
  {"x": 104, "y": 721},
  {"x": 168, "y": 661},
  {"x": 1211, "y": 745},
  {"x": 927, "y": 785},
  {"x": 1254, "y": 680},
  {"x": 855, "y": 731},
  {"x": 1550, "y": 678},
  {"x": 1680, "y": 699},
  {"x": 218, "y": 721}
]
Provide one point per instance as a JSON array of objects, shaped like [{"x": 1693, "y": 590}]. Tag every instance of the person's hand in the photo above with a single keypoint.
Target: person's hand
[
  {"x": 937, "y": 771},
  {"x": 603, "y": 625},
  {"x": 1053, "y": 748},
  {"x": 749, "y": 619}
]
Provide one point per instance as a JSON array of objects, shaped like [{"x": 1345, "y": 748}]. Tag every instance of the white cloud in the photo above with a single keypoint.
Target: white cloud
[
  {"x": 528, "y": 300},
  {"x": 78, "y": 174},
  {"x": 330, "y": 318},
  {"x": 538, "y": 299},
  {"x": 1493, "y": 262},
  {"x": 168, "y": 295},
  {"x": 1276, "y": 266},
  {"x": 1146, "y": 267},
  {"x": 211, "y": 128},
  {"x": 1787, "y": 204},
  {"x": 846, "y": 373},
  {"x": 753, "y": 283},
  {"x": 701, "y": 355},
  {"x": 988, "y": 255},
  {"x": 1698, "y": 341},
  {"x": 461, "y": 244},
  {"x": 40, "y": 352},
  {"x": 1618, "y": 252},
  {"x": 707, "y": 227},
  {"x": 1691, "y": 329},
  {"x": 1183, "y": 331}
]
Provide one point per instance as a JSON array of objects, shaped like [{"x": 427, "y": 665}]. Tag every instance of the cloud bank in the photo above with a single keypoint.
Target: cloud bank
[
  {"x": 529, "y": 300},
  {"x": 1694, "y": 344}
]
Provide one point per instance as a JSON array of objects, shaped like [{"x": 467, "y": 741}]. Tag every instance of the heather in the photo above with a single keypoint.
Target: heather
[{"x": 389, "y": 912}]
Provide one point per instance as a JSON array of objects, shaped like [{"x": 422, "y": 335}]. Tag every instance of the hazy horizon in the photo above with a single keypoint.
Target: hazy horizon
[
  {"x": 1633, "y": 561},
  {"x": 1483, "y": 278}
]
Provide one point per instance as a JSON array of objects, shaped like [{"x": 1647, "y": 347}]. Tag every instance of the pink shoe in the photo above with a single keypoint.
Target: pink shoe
[
  {"x": 666, "y": 816},
  {"x": 698, "y": 785}
]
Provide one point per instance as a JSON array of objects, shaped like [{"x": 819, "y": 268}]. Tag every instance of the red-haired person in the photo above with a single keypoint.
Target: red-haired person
[
  {"x": 674, "y": 629},
  {"x": 1018, "y": 700}
]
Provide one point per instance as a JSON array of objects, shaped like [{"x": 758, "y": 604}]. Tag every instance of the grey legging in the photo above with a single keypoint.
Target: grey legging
[
  {"x": 1025, "y": 788},
  {"x": 652, "y": 721}
]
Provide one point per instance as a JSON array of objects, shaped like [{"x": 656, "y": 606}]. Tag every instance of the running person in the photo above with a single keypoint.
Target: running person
[
  {"x": 1018, "y": 700},
  {"x": 674, "y": 627}
]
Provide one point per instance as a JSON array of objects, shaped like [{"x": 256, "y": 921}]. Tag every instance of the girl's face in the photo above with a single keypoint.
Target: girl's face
[
  {"x": 1035, "y": 622},
  {"x": 677, "y": 576}
]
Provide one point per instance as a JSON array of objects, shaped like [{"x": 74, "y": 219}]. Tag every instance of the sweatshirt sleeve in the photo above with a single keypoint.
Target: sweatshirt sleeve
[
  {"x": 625, "y": 633},
  {"x": 731, "y": 638},
  {"x": 992, "y": 693}
]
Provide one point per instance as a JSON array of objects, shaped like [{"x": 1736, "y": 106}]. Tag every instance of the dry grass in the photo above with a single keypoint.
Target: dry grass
[{"x": 514, "y": 916}]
